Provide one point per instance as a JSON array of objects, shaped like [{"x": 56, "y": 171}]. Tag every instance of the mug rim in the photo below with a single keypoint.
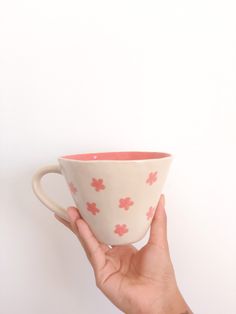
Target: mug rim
[{"x": 92, "y": 157}]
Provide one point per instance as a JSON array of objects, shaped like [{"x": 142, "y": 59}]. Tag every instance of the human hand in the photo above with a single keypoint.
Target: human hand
[{"x": 136, "y": 281}]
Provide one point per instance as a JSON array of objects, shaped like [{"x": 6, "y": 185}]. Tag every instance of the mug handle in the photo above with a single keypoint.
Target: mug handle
[{"x": 37, "y": 188}]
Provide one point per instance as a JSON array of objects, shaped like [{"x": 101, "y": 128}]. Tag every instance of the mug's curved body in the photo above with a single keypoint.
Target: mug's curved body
[{"x": 116, "y": 193}]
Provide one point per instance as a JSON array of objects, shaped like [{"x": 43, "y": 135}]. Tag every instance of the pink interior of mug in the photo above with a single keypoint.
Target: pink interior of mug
[{"x": 118, "y": 156}]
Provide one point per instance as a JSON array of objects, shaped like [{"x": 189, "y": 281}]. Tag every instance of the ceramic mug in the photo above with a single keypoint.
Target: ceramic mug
[{"x": 116, "y": 192}]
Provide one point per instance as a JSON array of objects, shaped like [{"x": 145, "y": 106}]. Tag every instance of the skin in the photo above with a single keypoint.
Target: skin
[{"x": 136, "y": 281}]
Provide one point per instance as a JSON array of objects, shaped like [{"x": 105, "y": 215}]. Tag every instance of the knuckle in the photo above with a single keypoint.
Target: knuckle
[{"x": 98, "y": 281}]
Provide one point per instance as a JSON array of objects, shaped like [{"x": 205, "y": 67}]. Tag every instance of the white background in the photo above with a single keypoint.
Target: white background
[{"x": 86, "y": 76}]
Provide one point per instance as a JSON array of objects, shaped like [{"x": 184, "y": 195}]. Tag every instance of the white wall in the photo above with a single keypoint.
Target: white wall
[{"x": 85, "y": 76}]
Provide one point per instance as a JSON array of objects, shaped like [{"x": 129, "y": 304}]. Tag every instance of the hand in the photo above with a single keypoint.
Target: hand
[{"x": 135, "y": 281}]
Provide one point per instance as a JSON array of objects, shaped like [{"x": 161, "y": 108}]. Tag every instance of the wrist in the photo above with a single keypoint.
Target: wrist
[{"x": 172, "y": 303}]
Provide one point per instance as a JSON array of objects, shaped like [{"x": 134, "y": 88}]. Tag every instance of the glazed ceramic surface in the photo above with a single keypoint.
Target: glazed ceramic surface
[{"x": 116, "y": 192}]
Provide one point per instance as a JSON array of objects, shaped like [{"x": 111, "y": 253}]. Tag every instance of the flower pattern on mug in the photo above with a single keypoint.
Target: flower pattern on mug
[
  {"x": 121, "y": 229},
  {"x": 98, "y": 184},
  {"x": 125, "y": 203},
  {"x": 72, "y": 188},
  {"x": 150, "y": 212},
  {"x": 152, "y": 177},
  {"x": 92, "y": 208}
]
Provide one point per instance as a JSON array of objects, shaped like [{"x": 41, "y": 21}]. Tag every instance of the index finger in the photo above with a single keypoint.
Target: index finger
[{"x": 94, "y": 249}]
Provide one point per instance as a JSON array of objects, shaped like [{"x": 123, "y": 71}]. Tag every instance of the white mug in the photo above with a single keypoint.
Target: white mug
[{"x": 116, "y": 192}]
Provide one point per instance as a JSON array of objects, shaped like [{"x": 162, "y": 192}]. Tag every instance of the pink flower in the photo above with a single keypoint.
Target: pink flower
[
  {"x": 98, "y": 184},
  {"x": 150, "y": 213},
  {"x": 91, "y": 207},
  {"x": 121, "y": 229},
  {"x": 152, "y": 177},
  {"x": 126, "y": 203},
  {"x": 72, "y": 188}
]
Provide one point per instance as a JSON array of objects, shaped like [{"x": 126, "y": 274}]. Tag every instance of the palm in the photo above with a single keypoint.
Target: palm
[
  {"x": 117, "y": 269},
  {"x": 128, "y": 274}
]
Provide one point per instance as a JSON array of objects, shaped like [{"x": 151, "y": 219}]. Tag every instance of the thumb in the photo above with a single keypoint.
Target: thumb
[{"x": 158, "y": 232}]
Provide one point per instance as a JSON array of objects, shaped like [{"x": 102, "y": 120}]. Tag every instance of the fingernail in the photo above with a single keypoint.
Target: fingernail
[
  {"x": 73, "y": 213},
  {"x": 69, "y": 208},
  {"x": 162, "y": 200},
  {"x": 70, "y": 211},
  {"x": 78, "y": 224}
]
